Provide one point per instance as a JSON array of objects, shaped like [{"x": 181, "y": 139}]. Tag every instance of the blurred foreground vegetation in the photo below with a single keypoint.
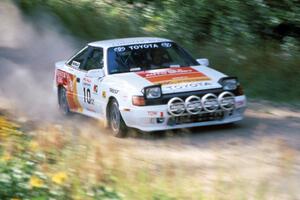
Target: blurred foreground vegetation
[
  {"x": 34, "y": 167},
  {"x": 43, "y": 161},
  {"x": 258, "y": 41}
]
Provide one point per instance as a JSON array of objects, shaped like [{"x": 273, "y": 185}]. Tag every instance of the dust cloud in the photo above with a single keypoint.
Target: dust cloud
[{"x": 28, "y": 52}]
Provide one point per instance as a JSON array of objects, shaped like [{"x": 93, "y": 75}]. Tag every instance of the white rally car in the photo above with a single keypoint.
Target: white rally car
[{"x": 149, "y": 84}]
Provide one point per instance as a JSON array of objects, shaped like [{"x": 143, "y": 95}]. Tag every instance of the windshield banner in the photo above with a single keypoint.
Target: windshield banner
[{"x": 143, "y": 46}]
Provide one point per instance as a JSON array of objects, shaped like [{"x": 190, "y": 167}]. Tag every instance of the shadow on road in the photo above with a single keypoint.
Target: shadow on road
[{"x": 248, "y": 130}]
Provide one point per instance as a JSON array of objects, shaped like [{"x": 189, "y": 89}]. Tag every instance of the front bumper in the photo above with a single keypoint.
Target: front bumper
[{"x": 156, "y": 118}]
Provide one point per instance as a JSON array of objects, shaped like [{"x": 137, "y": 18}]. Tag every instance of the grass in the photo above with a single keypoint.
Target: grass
[{"x": 58, "y": 162}]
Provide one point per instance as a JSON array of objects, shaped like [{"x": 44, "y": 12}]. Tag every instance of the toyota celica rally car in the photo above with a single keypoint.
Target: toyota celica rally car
[{"x": 149, "y": 84}]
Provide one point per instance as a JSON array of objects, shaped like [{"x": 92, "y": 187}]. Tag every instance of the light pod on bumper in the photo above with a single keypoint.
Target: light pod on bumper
[
  {"x": 193, "y": 105},
  {"x": 176, "y": 106}
]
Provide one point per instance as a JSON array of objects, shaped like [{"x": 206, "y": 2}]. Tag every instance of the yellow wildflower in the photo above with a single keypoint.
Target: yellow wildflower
[
  {"x": 15, "y": 199},
  {"x": 33, "y": 145},
  {"x": 36, "y": 182},
  {"x": 6, "y": 157},
  {"x": 59, "y": 178}
]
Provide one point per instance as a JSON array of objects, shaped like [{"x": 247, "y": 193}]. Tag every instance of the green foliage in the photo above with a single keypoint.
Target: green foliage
[
  {"x": 256, "y": 40},
  {"x": 22, "y": 173},
  {"x": 19, "y": 179},
  {"x": 161, "y": 196},
  {"x": 102, "y": 192},
  {"x": 222, "y": 21},
  {"x": 265, "y": 71}
]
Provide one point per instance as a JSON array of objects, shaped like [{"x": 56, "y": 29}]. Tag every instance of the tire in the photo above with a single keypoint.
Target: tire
[
  {"x": 116, "y": 122},
  {"x": 63, "y": 101}
]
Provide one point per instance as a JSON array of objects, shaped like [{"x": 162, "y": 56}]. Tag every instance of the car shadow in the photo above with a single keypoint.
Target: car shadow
[
  {"x": 250, "y": 129},
  {"x": 237, "y": 129}
]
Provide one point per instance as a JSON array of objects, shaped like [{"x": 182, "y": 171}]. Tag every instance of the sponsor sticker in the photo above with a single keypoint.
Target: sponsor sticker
[
  {"x": 119, "y": 49},
  {"x": 173, "y": 75},
  {"x": 166, "y": 44},
  {"x": 75, "y": 64},
  {"x": 152, "y": 113},
  {"x": 69, "y": 81},
  {"x": 187, "y": 85},
  {"x": 240, "y": 103},
  {"x": 113, "y": 91},
  {"x": 135, "y": 69},
  {"x": 87, "y": 84},
  {"x": 87, "y": 80},
  {"x": 142, "y": 46},
  {"x": 174, "y": 66},
  {"x": 95, "y": 89},
  {"x": 104, "y": 94}
]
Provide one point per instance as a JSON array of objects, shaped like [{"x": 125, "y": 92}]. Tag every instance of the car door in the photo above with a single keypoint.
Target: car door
[
  {"x": 88, "y": 91},
  {"x": 75, "y": 74}
]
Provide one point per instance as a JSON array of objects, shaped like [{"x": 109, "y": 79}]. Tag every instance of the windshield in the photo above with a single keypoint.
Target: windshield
[{"x": 142, "y": 57}]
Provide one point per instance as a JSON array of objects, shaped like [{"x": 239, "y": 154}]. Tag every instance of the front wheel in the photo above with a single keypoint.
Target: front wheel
[{"x": 116, "y": 122}]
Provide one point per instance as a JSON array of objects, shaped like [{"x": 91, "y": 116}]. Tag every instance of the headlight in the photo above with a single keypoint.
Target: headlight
[
  {"x": 152, "y": 92},
  {"x": 229, "y": 83}
]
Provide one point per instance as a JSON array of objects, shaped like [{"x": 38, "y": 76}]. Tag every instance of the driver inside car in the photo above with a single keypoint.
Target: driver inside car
[
  {"x": 160, "y": 58},
  {"x": 95, "y": 61}
]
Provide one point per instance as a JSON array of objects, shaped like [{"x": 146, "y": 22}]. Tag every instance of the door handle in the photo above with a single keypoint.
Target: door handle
[{"x": 78, "y": 80}]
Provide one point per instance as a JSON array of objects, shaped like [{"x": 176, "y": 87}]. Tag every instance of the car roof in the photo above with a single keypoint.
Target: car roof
[{"x": 127, "y": 41}]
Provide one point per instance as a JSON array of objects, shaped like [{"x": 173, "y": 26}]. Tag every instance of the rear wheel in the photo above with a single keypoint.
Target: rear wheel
[
  {"x": 116, "y": 122},
  {"x": 63, "y": 102}
]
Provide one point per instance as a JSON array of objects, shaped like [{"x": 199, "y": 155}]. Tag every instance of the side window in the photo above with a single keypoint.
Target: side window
[
  {"x": 94, "y": 60},
  {"x": 79, "y": 60}
]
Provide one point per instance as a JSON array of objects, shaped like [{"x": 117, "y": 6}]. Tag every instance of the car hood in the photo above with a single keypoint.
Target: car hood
[{"x": 172, "y": 80}]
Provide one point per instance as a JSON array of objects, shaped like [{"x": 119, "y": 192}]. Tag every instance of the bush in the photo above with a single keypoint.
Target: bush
[
  {"x": 256, "y": 40},
  {"x": 26, "y": 172}
]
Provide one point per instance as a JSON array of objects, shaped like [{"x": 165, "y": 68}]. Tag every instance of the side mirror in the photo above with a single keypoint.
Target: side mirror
[
  {"x": 95, "y": 73},
  {"x": 203, "y": 61}
]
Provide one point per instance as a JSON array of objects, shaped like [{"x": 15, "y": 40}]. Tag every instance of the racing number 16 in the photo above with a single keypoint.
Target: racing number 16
[{"x": 87, "y": 95}]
